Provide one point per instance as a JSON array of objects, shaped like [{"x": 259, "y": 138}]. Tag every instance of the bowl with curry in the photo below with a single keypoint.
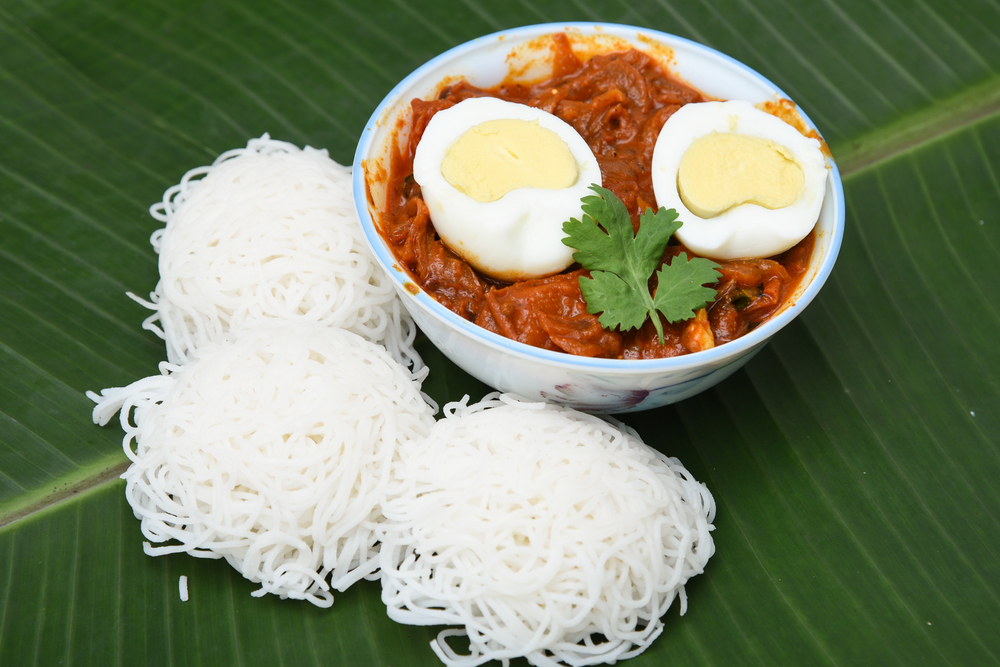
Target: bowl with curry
[{"x": 597, "y": 215}]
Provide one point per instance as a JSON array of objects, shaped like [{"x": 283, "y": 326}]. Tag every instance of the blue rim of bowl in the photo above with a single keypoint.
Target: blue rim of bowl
[{"x": 715, "y": 356}]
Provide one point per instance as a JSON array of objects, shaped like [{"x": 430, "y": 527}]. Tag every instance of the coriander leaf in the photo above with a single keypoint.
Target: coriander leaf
[
  {"x": 680, "y": 287},
  {"x": 616, "y": 249},
  {"x": 655, "y": 230},
  {"x": 596, "y": 248},
  {"x": 620, "y": 264},
  {"x": 613, "y": 298}
]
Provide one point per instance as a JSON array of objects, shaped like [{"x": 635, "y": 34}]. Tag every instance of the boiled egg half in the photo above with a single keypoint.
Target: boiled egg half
[
  {"x": 745, "y": 184},
  {"x": 499, "y": 180}
]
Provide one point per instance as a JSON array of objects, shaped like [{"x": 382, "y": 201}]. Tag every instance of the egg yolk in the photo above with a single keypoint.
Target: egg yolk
[
  {"x": 497, "y": 156},
  {"x": 721, "y": 170}
]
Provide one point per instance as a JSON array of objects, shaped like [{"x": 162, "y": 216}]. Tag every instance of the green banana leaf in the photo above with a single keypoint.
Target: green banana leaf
[{"x": 855, "y": 460}]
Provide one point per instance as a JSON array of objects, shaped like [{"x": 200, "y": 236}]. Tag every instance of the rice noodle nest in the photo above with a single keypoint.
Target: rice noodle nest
[
  {"x": 271, "y": 451},
  {"x": 542, "y": 532},
  {"x": 269, "y": 231}
]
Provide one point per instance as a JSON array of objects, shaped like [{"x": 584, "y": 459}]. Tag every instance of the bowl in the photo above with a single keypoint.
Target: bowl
[{"x": 594, "y": 385}]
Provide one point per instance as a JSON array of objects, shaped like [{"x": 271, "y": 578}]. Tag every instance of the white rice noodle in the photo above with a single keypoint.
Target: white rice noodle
[
  {"x": 271, "y": 451},
  {"x": 536, "y": 528},
  {"x": 269, "y": 231}
]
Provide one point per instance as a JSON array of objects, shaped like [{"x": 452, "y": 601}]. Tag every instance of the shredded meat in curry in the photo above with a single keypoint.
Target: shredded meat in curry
[{"x": 617, "y": 102}]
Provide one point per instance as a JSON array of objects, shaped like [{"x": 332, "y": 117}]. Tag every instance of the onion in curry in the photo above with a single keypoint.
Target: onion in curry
[{"x": 618, "y": 102}]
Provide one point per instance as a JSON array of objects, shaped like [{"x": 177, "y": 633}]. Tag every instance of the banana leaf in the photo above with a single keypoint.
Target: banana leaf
[{"x": 854, "y": 461}]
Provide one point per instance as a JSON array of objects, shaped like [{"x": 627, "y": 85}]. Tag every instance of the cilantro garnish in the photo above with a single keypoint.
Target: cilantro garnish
[{"x": 621, "y": 263}]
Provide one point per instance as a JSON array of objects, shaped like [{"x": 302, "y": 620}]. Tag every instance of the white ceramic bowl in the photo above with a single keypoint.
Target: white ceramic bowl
[{"x": 596, "y": 385}]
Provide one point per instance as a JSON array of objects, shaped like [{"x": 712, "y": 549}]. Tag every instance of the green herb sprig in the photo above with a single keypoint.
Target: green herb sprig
[{"x": 620, "y": 264}]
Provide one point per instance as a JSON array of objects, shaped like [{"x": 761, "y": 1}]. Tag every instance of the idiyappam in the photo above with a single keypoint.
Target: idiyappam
[
  {"x": 272, "y": 451},
  {"x": 541, "y": 532},
  {"x": 269, "y": 231}
]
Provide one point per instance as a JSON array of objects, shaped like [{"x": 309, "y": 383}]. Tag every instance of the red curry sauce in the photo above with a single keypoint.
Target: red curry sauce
[{"x": 617, "y": 102}]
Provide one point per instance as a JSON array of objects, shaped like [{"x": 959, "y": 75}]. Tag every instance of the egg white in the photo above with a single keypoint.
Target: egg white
[
  {"x": 519, "y": 236},
  {"x": 746, "y": 230}
]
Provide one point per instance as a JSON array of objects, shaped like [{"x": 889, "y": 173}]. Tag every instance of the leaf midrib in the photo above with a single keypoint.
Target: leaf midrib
[
  {"x": 926, "y": 126},
  {"x": 106, "y": 470}
]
